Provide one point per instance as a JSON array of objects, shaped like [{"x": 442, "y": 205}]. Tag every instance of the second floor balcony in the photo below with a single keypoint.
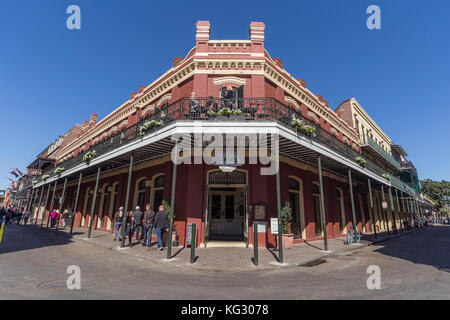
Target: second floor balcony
[{"x": 373, "y": 148}]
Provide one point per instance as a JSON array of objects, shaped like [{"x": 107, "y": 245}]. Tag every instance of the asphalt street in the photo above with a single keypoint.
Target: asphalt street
[{"x": 33, "y": 265}]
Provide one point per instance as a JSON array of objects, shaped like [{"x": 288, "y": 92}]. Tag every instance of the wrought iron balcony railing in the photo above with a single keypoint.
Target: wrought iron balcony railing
[
  {"x": 382, "y": 152},
  {"x": 246, "y": 109}
]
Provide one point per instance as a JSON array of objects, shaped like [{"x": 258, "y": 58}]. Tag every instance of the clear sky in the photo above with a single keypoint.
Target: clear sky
[{"x": 52, "y": 77}]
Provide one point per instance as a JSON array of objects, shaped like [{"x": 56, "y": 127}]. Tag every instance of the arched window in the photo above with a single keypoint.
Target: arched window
[
  {"x": 294, "y": 200},
  {"x": 317, "y": 218},
  {"x": 158, "y": 192},
  {"x": 340, "y": 210}
]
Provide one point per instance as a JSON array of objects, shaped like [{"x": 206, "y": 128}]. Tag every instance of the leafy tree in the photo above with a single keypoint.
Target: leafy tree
[{"x": 438, "y": 192}]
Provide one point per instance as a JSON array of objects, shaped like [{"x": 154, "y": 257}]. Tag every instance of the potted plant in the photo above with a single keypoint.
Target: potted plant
[
  {"x": 386, "y": 176},
  {"x": 167, "y": 208},
  {"x": 286, "y": 218},
  {"x": 45, "y": 177},
  {"x": 148, "y": 126},
  {"x": 59, "y": 170},
  {"x": 89, "y": 156},
  {"x": 305, "y": 129},
  {"x": 361, "y": 161}
]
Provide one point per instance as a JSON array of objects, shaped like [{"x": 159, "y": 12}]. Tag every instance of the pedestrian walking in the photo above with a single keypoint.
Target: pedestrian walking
[
  {"x": 161, "y": 220},
  {"x": 149, "y": 219},
  {"x": 19, "y": 215},
  {"x": 54, "y": 217},
  {"x": 118, "y": 218},
  {"x": 129, "y": 227},
  {"x": 8, "y": 216},
  {"x": 138, "y": 215},
  {"x": 26, "y": 216},
  {"x": 64, "y": 217}
]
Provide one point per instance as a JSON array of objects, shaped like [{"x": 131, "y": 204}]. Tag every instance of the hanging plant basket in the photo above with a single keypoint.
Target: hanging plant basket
[
  {"x": 148, "y": 126},
  {"x": 304, "y": 128},
  {"x": 89, "y": 156},
  {"x": 45, "y": 177},
  {"x": 59, "y": 170},
  {"x": 361, "y": 161},
  {"x": 386, "y": 176}
]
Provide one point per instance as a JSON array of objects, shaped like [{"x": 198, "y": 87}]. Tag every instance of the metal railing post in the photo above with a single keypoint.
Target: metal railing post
[
  {"x": 351, "y": 199},
  {"x": 40, "y": 204},
  {"x": 280, "y": 231},
  {"x": 392, "y": 210}
]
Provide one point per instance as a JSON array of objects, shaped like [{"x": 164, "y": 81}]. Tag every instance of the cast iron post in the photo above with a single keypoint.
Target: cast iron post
[
  {"x": 51, "y": 203},
  {"x": 392, "y": 210},
  {"x": 371, "y": 209},
  {"x": 75, "y": 204},
  {"x": 45, "y": 205},
  {"x": 193, "y": 241},
  {"x": 172, "y": 201},
  {"x": 124, "y": 218},
  {"x": 93, "y": 202},
  {"x": 351, "y": 198},
  {"x": 322, "y": 206},
  {"x": 280, "y": 232},
  {"x": 386, "y": 222},
  {"x": 40, "y": 204},
  {"x": 255, "y": 243},
  {"x": 61, "y": 203}
]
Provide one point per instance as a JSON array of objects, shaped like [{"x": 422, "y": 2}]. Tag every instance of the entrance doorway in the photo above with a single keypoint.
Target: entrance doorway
[{"x": 226, "y": 214}]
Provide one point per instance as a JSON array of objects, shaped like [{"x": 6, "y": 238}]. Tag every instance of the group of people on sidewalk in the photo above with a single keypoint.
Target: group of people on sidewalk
[
  {"x": 142, "y": 223},
  {"x": 7, "y": 215}
]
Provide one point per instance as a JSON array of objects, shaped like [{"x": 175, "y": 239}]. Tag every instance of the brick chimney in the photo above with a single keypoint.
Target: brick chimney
[
  {"x": 202, "y": 35},
  {"x": 94, "y": 117},
  {"x": 256, "y": 32}
]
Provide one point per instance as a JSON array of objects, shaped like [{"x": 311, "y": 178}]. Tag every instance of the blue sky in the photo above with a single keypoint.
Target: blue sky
[{"x": 52, "y": 77}]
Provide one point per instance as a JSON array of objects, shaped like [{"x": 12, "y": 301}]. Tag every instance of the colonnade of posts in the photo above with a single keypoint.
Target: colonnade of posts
[{"x": 409, "y": 205}]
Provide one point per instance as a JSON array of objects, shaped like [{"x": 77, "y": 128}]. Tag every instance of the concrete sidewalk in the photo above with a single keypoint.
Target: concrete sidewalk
[{"x": 228, "y": 258}]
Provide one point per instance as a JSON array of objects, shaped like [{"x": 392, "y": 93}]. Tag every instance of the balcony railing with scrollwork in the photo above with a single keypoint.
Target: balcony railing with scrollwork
[
  {"x": 382, "y": 152},
  {"x": 216, "y": 109}
]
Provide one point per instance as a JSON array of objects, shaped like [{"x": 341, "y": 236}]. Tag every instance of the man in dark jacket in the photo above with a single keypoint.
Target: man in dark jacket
[
  {"x": 138, "y": 222},
  {"x": 161, "y": 220},
  {"x": 149, "y": 219}
]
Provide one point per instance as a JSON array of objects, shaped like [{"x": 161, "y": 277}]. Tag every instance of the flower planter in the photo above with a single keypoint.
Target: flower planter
[{"x": 288, "y": 240}]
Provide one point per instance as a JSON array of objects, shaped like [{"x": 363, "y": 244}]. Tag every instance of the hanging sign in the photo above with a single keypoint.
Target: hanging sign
[{"x": 384, "y": 204}]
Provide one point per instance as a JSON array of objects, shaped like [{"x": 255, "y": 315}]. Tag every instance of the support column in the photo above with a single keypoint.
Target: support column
[
  {"x": 352, "y": 202},
  {"x": 371, "y": 209},
  {"x": 33, "y": 198},
  {"x": 399, "y": 210},
  {"x": 93, "y": 202},
  {"x": 386, "y": 223},
  {"x": 280, "y": 232},
  {"x": 172, "y": 201},
  {"x": 29, "y": 202},
  {"x": 51, "y": 203},
  {"x": 40, "y": 204},
  {"x": 124, "y": 219},
  {"x": 61, "y": 203},
  {"x": 75, "y": 204},
  {"x": 45, "y": 205},
  {"x": 394, "y": 221},
  {"x": 322, "y": 206}
]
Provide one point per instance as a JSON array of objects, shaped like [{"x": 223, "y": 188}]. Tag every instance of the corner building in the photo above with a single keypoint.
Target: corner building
[{"x": 223, "y": 202}]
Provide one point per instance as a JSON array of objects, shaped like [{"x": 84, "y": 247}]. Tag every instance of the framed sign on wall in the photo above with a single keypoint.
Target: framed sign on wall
[{"x": 260, "y": 211}]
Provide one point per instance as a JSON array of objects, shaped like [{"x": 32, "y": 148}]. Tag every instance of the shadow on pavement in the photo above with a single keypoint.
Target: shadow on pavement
[
  {"x": 428, "y": 246},
  {"x": 28, "y": 237}
]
